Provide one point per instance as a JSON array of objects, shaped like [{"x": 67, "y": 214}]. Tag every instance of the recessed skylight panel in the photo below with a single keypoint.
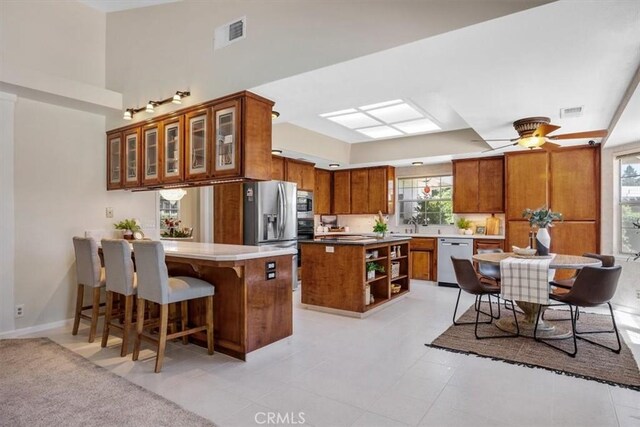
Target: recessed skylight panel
[
  {"x": 380, "y": 132},
  {"x": 396, "y": 113},
  {"x": 417, "y": 126},
  {"x": 354, "y": 121},
  {"x": 380, "y": 104},
  {"x": 339, "y": 112}
]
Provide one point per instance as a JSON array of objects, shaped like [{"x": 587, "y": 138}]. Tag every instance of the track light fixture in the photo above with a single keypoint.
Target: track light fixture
[{"x": 151, "y": 105}]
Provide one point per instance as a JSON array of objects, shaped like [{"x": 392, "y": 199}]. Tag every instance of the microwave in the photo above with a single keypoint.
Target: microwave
[{"x": 304, "y": 204}]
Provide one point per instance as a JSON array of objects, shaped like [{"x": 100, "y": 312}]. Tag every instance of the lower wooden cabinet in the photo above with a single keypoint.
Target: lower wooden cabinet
[{"x": 424, "y": 258}]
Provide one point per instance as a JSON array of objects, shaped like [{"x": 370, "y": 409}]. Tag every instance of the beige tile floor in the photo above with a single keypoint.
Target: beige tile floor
[{"x": 337, "y": 371}]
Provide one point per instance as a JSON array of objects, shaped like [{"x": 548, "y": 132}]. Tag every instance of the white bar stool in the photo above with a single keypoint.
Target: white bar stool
[{"x": 90, "y": 274}]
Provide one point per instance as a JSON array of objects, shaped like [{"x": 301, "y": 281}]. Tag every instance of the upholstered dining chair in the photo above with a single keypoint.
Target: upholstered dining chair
[
  {"x": 121, "y": 280},
  {"x": 90, "y": 275},
  {"x": 607, "y": 261},
  {"x": 155, "y": 285},
  {"x": 468, "y": 281},
  {"x": 593, "y": 286}
]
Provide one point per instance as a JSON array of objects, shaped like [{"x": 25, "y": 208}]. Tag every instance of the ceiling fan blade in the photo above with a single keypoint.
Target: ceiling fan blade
[
  {"x": 550, "y": 146},
  {"x": 581, "y": 135},
  {"x": 501, "y": 147},
  {"x": 494, "y": 140},
  {"x": 544, "y": 129}
]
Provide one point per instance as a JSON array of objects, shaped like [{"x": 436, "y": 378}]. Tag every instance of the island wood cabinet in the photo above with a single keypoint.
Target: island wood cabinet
[
  {"x": 423, "y": 258},
  {"x": 346, "y": 264},
  {"x": 218, "y": 141},
  {"x": 567, "y": 180},
  {"x": 341, "y": 192},
  {"x": 322, "y": 192},
  {"x": 478, "y": 185}
]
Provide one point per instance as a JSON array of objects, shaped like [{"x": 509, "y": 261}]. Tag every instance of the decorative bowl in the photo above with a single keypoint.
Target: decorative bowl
[{"x": 523, "y": 251}]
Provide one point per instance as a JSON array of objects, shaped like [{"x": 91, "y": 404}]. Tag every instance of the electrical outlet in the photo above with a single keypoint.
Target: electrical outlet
[
  {"x": 109, "y": 212},
  {"x": 638, "y": 293},
  {"x": 19, "y": 310}
]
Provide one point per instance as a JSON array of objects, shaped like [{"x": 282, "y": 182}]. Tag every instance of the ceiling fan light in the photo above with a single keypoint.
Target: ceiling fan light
[{"x": 531, "y": 141}]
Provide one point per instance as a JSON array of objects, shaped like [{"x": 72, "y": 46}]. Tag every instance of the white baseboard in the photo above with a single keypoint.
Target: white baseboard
[{"x": 33, "y": 329}]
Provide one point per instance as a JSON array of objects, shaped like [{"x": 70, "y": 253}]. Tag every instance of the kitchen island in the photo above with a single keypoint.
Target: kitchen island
[
  {"x": 341, "y": 274},
  {"x": 253, "y": 303}
]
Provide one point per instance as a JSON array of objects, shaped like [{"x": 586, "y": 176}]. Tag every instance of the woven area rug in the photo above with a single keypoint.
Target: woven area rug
[
  {"x": 591, "y": 362},
  {"x": 44, "y": 384}
]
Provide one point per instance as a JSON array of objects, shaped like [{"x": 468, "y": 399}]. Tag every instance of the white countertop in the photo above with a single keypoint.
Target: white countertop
[
  {"x": 461, "y": 236},
  {"x": 222, "y": 252}
]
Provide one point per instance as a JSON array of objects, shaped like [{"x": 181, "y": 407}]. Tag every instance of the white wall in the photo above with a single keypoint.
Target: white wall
[
  {"x": 60, "y": 164},
  {"x": 609, "y": 218}
]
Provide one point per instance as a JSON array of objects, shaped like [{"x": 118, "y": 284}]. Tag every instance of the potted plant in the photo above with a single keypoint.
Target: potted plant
[
  {"x": 541, "y": 219},
  {"x": 129, "y": 226},
  {"x": 372, "y": 267},
  {"x": 380, "y": 227},
  {"x": 463, "y": 225}
]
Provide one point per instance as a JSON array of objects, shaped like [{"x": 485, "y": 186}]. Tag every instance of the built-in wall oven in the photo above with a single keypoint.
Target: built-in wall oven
[{"x": 304, "y": 204}]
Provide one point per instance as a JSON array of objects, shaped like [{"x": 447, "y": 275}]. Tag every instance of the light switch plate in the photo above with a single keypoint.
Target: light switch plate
[{"x": 329, "y": 249}]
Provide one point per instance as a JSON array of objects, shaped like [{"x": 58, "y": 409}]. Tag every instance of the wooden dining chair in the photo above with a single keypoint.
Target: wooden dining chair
[
  {"x": 468, "y": 281},
  {"x": 593, "y": 286},
  {"x": 155, "y": 285}
]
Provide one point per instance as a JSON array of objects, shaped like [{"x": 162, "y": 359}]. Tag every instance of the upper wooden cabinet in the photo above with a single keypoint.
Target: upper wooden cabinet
[
  {"x": 302, "y": 173},
  {"x": 322, "y": 192},
  {"x": 341, "y": 190},
  {"x": 131, "y": 158},
  {"x": 359, "y": 191},
  {"x": 526, "y": 182},
  {"x": 215, "y": 142},
  {"x": 172, "y": 150},
  {"x": 277, "y": 168},
  {"x": 382, "y": 190},
  {"x": 114, "y": 161},
  {"x": 151, "y": 154},
  {"x": 478, "y": 185},
  {"x": 575, "y": 182}
]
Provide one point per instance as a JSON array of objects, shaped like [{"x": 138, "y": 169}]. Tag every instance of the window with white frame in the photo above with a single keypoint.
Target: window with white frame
[
  {"x": 168, "y": 210},
  {"x": 425, "y": 200},
  {"x": 629, "y": 172}
]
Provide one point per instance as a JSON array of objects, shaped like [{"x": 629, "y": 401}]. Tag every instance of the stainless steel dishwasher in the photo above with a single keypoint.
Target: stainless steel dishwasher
[{"x": 458, "y": 247}]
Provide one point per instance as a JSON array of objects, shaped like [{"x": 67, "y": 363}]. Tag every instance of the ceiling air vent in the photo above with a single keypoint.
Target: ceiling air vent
[
  {"x": 230, "y": 33},
  {"x": 571, "y": 112}
]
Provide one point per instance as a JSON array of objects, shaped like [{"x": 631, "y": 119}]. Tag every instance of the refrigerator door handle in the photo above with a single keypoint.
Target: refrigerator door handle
[{"x": 281, "y": 210}]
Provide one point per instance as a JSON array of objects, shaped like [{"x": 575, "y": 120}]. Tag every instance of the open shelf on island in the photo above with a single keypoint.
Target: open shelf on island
[
  {"x": 379, "y": 301},
  {"x": 380, "y": 258},
  {"x": 375, "y": 279},
  {"x": 399, "y": 257},
  {"x": 402, "y": 276}
]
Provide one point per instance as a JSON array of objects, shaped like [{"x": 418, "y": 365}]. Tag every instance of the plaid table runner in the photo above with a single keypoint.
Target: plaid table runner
[{"x": 525, "y": 279}]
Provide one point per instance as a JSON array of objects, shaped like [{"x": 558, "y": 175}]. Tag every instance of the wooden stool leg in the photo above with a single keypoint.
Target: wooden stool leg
[
  {"x": 94, "y": 314},
  {"x": 210, "y": 324},
  {"x": 79, "y": 302},
  {"x": 128, "y": 314},
  {"x": 184, "y": 307},
  {"x": 107, "y": 319},
  {"x": 162, "y": 341},
  {"x": 139, "y": 326}
]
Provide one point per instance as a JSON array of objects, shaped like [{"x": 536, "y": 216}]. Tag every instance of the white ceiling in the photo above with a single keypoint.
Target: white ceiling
[
  {"x": 107, "y": 6},
  {"x": 485, "y": 76}
]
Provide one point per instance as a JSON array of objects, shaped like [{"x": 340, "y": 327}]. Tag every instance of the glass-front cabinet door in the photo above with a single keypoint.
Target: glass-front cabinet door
[
  {"x": 226, "y": 131},
  {"x": 114, "y": 161},
  {"x": 151, "y": 154},
  {"x": 197, "y": 144},
  {"x": 172, "y": 155},
  {"x": 132, "y": 158}
]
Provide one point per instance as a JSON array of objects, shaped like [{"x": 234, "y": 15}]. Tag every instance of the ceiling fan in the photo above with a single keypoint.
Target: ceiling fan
[{"x": 534, "y": 132}]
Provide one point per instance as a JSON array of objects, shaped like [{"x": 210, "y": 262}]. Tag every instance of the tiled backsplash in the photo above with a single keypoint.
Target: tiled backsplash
[{"x": 364, "y": 223}]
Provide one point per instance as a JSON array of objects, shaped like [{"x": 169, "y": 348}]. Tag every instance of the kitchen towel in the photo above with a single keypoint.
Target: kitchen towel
[{"x": 525, "y": 279}]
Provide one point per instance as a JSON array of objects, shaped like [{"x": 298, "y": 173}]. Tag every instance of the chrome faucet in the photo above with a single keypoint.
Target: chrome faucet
[{"x": 414, "y": 222}]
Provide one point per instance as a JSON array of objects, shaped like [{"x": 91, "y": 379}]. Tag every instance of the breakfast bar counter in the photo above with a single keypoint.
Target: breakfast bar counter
[
  {"x": 354, "y": 276},
  {"x": 253, "y": 303}
]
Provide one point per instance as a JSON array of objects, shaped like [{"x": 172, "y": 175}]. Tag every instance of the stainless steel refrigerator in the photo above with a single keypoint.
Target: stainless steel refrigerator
[{"x": 270, "y": 217}]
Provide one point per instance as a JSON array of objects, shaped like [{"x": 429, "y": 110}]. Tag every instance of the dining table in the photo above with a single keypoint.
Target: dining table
[{"x": 527, "y": 321}]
